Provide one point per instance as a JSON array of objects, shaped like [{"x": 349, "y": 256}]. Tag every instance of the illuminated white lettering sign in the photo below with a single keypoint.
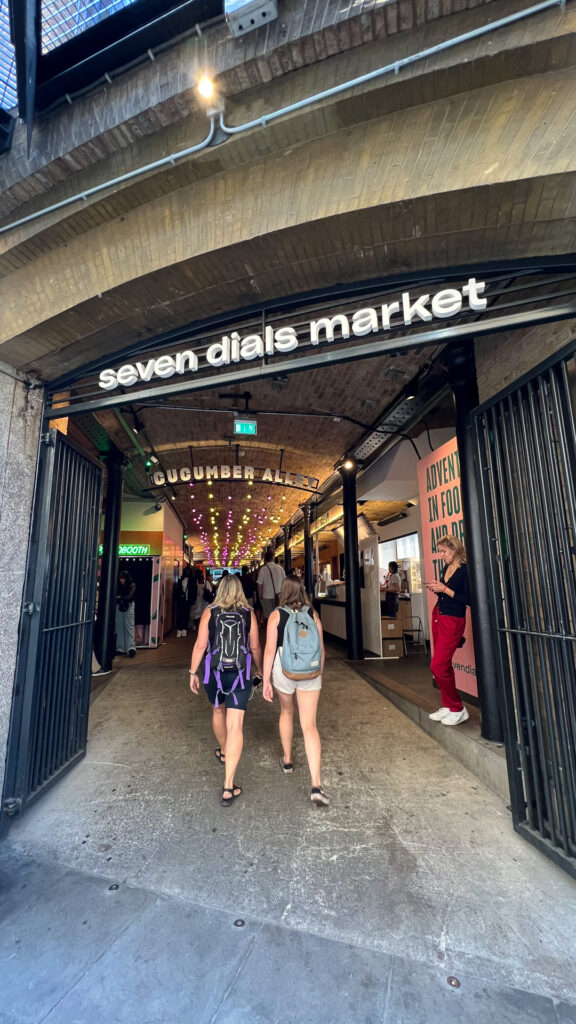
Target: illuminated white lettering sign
[{"x": 406, "y": 312}]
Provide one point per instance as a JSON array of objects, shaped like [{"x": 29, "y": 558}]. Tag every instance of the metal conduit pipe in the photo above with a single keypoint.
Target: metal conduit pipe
[
  {"x": 394, "y": 67},
  {"x": 261, "y": 122},
  {"x": 116, "y": 181}
]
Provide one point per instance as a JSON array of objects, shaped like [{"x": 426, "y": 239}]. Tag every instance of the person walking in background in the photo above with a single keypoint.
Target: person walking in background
[
  {"x": 199, "y": 603},
  {"x": 228, "y": 636},
  {"x": 448, "y": 624},
  {"x": 304, "y": 692},
  {"x": 125, "y": 642},
  {"x": 269, "y": 583},
  {"x": 248, "y": 585},
  {"x": 185, "y": 596}
]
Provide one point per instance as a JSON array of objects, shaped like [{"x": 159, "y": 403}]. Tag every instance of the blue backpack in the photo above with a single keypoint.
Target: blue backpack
[
  {"x": 301, "y": 655},
  {"x": 230, "y": 650}
]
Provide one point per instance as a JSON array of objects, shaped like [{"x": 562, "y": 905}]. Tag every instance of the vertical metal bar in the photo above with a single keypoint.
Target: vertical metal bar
[
  {"x": 491, "y": 534},
  {"x": 506, "y": 448}
]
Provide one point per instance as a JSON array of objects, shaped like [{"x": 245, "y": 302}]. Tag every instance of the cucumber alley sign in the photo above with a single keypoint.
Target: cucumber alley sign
[{"x": 407, "y": 311}]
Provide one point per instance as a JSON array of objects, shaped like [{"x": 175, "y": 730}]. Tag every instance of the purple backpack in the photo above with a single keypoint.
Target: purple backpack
[{"x": 229, "y": 650}]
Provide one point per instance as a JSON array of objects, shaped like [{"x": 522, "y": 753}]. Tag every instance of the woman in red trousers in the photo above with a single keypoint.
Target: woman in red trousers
[{"x": 448, "y": 624}]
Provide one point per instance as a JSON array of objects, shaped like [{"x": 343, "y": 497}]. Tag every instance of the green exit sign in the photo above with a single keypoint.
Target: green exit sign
[{"x": 245, "y": 427}]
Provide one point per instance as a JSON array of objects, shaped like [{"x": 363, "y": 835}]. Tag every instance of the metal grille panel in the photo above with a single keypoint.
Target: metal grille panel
[
  {"x": 527, "y": 454},
  {"x": 50, "y": 716}
]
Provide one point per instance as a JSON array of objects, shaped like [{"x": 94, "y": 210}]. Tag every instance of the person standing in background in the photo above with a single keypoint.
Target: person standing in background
[
  {"x": 392, "y": 594},
  {"x": 185, "y": 596},
  {"x": 125, "y": 642},
  {"x": 448, "y": 625}
]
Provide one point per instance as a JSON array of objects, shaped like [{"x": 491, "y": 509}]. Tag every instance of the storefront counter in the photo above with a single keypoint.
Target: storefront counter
[{"x": 333, "y": 616}]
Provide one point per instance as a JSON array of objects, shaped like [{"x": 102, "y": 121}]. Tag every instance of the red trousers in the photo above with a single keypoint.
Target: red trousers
[{"x": 447, "y": 631}]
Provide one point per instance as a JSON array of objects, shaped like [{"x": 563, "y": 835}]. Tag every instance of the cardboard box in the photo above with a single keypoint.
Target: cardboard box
[
  {"x": 391, "y": 628},
  {"x": 393, "y": 648},
  {"x": 404, "y": 609}
]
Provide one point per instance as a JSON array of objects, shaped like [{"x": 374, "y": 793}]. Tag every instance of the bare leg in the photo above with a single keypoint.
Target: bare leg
[
  {"x": 234, "y": 744},
  {"x": 286, "y": 723},
  {"x": 307, "y": 705},
  {"x": 219, "y": 726}
]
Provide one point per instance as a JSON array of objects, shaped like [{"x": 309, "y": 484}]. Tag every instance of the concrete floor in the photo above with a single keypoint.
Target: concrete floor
[{"x": 358, "y": 913}]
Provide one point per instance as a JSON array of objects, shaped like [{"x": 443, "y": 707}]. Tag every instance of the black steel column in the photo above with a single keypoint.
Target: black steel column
[
  {"x": 308, "y": 553},
  {"x": 462, "y": 376},
  {"x": 287, "y": 553},
  {"x": 354, "y": 638},
  {"x": 106, "y": 618}
]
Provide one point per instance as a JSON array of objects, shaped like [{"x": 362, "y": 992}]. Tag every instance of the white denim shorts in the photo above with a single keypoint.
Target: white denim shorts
[{"x": 285, "y": 685}]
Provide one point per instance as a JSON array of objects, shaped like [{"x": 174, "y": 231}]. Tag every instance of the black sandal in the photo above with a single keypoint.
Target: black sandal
[
  {"x": 219, "y": 755},
  {"x": 287, "y": 766},
  {"x": 227, "y": 801},
  {"x": 318, "y": 797}
]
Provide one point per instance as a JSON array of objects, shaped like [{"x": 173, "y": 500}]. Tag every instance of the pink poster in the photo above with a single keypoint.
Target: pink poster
[{"x": 441, "y": 509}]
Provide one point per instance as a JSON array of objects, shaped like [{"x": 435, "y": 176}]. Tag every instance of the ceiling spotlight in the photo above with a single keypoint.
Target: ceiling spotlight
[
  {"x": 138, "y": 425},
  {"x": 205, "y": 87}
]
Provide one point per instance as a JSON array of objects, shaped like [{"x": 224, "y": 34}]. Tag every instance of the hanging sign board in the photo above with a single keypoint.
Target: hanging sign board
[
  {"x": 409, "y": 310},
  {"x": 441, "y": 506},
  {"x": 196, "y": 474}
]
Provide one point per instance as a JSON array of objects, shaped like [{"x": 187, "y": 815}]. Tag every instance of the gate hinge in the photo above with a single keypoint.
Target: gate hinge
[
  {"x": 47, "y": 439},
  {"x": 12, "y": 806},
  {"x": 29, "y": 607}
]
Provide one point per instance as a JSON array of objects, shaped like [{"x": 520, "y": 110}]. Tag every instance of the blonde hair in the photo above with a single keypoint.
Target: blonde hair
[
  {"x": 292, "y": 593},
  {"x": 455, "y": 545},
  {"x": 230, "y": 595}
]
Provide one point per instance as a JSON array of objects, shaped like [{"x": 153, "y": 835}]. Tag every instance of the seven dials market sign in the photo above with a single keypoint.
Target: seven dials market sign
[{"x": 233, "y": 348}]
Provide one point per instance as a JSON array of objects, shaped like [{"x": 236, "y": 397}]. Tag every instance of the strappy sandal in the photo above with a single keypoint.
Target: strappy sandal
[
  {"x": 219, "y": 755},
  {"x": 227, "y": 801},
  {"x": 287, "y": 766},
  {"x": 318, "y": 797}
]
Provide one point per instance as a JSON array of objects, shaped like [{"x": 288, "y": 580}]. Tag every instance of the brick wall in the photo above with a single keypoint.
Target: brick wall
[{"x": 503, "y": 358}]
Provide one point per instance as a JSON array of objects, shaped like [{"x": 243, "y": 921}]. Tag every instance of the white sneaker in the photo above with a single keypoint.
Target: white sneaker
[
  {"x": 183, "y": 633},
  {"x": 437, "y": 716},
  {"x": 455, "y": 717},
  {"x": 178, "y": 632}
]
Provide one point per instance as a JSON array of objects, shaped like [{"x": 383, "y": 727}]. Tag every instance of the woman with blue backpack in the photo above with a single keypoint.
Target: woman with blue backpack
[
  {"x": 293, "y": 666},
  {"x": 228, "y": 639}
]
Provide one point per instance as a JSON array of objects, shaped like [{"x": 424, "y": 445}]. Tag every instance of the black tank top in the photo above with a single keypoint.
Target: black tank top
[{"x": 284, "y": 619}]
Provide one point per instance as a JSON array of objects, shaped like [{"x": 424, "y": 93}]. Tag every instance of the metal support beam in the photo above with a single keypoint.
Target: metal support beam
[
  {"x": 106, "y": 618},
  {"x": 462, "y": 376},
  {"x": 287, "y": 553},
  {"x": 354, "y": 638},
  {"x": 308, "y": 553}
]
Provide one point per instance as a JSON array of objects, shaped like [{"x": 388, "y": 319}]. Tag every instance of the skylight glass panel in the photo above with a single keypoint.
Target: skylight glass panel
[
  {"x": 64, "y": 19},
  {"x": 7, "y": 61}
]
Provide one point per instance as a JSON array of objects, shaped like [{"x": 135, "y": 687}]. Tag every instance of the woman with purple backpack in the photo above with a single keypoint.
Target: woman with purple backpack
[
  {"x": 294, "y": 622},
  {"x": 228, "y": 639}
]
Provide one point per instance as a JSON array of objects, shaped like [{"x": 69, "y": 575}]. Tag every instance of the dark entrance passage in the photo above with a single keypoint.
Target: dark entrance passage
[
  {"x": 50, "y": 710},
  {"x": 527, "y": 457}
]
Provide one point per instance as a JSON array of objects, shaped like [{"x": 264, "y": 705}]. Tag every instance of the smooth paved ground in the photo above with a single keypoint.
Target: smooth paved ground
[{"x": 131, "y": 896}]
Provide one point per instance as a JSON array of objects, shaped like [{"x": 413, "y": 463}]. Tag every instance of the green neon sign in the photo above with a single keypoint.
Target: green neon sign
[
  {"x": 129, "y": 549},
  {"x": 245, "y": 427}
]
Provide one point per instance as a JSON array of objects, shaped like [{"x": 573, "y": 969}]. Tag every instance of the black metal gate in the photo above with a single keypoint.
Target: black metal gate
[
  {"x": 50, "y": 709},
  {"x": 527, "y": 467}
]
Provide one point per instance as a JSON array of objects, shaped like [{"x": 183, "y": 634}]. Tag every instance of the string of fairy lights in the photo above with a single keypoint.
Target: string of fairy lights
[{"x": 225, "y": 541}]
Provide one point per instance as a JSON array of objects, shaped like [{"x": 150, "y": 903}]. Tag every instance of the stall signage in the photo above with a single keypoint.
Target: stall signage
[
  {"x": 125, "y": 550},
  {"x": 441, "y": 509},
  {"x": 190, "y": 474},
  {"x": 408, "y": 311}
]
